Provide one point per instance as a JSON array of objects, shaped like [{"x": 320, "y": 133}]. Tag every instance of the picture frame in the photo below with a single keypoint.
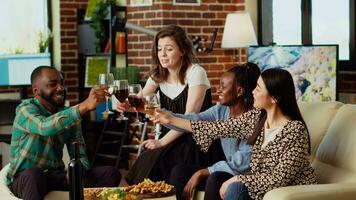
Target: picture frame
[
  {"x": 138, "y": 3},
  {"x": 186, "y": 2},
  {"x": 95, "y": 65},
  {"x": 314, "y": 68}
]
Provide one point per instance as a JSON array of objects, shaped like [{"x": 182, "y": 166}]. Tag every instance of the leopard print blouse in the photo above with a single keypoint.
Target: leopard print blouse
[{"x": 283, "y": 162}]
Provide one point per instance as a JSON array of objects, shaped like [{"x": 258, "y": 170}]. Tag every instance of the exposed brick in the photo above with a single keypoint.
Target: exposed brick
[
  {"x": 178, "y": 15},
  {"x": 217, "y": 22},
  {"x": 150, "y": 15},
  {"x": 186, "y": 22},
  {"x": 194, "y": 15},
  {"x": 68, "y": 40},
  {"x": 67, "y": 12},
  {"x": 202, "y": 22},
  {"x": 68, "y": 53},
  {"x": 209, "y": 15},
  {"x": 67, "y": 26},
  {"x": 216, "y": 7}
]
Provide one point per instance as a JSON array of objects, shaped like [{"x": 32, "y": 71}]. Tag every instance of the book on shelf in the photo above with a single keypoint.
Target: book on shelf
[{"x": 120, "y": 43}]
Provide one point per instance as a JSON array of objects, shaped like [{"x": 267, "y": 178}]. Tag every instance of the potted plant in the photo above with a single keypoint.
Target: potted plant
[{"x": 99, "y": 14}]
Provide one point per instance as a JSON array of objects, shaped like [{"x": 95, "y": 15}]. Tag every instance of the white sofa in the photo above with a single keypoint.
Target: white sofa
[{"x": 332, "y": 128}]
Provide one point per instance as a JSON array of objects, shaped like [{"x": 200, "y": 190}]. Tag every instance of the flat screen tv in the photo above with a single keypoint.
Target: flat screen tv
[
  {"x": 314, "y": 68},
  {"x": 15, "y": 70},
  {"x": 23, "y": 27}
]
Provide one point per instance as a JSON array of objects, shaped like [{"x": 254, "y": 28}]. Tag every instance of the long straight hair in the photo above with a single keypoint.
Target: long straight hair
[{"x": 279, "y": 84}]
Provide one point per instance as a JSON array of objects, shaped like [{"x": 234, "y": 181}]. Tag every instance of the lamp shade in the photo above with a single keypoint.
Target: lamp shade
[{"x": 238, "y": 31}]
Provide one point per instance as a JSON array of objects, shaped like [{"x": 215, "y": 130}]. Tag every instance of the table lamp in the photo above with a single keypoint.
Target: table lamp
[{"x": 238, "y": 32}]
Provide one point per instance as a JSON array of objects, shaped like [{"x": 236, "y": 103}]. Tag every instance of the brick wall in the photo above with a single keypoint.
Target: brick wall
[
  {"x": 69, "y": 45},
  {"x": 197, "y": 20}
]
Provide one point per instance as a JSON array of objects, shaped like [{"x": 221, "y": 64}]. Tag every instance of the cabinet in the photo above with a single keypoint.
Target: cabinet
[{"x": 115, "y": 36}]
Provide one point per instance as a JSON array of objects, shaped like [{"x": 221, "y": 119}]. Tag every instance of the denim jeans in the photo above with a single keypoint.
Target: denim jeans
[{"x": 236, "y": 191}]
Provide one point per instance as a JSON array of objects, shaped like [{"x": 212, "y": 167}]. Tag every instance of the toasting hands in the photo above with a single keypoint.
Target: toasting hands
[
  {"x": 96, "y": 96},
  {"x": 165, "y": 117},
  {"x": 162, "y": 117}
]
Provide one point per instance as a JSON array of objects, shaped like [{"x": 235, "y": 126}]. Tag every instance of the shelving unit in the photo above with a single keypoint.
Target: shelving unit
[
  {"x": 86, "y": 42},
  {"x": 118, "y": 16}
]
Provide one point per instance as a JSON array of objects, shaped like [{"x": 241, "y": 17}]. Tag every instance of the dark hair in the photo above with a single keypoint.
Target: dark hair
[
  {"x": 185, "y": 45},
  {"x": 246, "y": 76},
  {"x": 279, "y": 84},
  {"x": 38, "y": 72}
]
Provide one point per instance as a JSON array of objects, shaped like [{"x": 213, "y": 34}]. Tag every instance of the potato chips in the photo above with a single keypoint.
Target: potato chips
[{"x": 148, "y": 186}]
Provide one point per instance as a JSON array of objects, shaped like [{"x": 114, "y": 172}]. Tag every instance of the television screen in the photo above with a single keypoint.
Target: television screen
[
  {"x": 16, "y": 69},
  {"x": 314, "y": 68},
  {"x": 24, "y": 30}
]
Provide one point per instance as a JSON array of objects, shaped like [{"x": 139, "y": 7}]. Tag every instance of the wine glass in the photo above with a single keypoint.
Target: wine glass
[
  {"x": 121, "y": 94},
  {"x": 135, "y": 100},
  {"x": 151, "y": 104},
  {"x": 106, "y": 80}
]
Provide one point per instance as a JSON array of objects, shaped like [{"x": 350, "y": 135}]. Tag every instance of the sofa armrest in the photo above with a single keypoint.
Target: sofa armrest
[{"x": 344, "y": 191}]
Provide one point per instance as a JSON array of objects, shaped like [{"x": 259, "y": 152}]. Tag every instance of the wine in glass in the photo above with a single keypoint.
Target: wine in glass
[
  {"x": 106, "y": 80},
  {"x": 121, "y": 94},
  {"x": 151, "y": 105},
  {"x": 135, "y": 100}
]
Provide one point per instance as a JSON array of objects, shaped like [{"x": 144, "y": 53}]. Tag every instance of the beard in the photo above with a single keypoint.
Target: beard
[{"x": 53, "y": 99}]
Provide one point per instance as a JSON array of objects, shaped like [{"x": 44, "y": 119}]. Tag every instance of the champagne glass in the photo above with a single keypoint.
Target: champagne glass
[
  {"x": 135, "y": 100},
  {"x": 121, "y": 94},
  {"x": 151, "y": 104},
  {"x": 106, "y": 80}
]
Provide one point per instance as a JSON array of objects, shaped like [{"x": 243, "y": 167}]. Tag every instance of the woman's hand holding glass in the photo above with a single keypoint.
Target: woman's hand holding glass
[
  {"x": 151, "y": 105},
  {"x": 162, "y": 117}
]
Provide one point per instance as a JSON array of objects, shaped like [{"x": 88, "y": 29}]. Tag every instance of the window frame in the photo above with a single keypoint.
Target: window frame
[{"x": 265, "y": 28}]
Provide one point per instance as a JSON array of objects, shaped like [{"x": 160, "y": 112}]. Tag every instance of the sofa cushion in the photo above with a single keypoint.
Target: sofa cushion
[
  {"x": 335, "y": 157},
  {"x": 318, "y": 116},
  {"x": 4, "y": 190}
]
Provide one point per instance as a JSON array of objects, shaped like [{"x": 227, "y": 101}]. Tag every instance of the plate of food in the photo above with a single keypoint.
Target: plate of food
[
  {"x": 108, "y": 194},
  {"x": 150, "y": 189}
]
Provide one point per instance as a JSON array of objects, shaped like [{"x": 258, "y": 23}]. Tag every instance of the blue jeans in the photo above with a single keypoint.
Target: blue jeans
[{"x": 236, "y": 191}]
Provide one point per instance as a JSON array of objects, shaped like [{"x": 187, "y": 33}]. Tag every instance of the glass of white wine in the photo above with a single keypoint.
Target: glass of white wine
[
  {"x": 106, "y": 80},
  {"x": 151, "y": 105}
]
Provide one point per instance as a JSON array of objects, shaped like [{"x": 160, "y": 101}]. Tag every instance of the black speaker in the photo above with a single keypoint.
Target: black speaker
[{"x": 86, "y": 39}]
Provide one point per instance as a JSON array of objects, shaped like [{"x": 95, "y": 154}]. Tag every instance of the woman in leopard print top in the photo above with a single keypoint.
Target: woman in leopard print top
[{"x": 280, "y": 155}]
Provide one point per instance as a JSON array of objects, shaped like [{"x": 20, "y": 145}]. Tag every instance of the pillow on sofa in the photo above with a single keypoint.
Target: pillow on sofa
[
  {"x": 318, "y": 116},
  {"x": 335, "y": 158}
]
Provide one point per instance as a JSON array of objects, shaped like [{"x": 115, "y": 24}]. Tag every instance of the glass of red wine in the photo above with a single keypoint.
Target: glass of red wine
[
  {"x": 121, "y": 93},
  {"x": 136, "y": 101}
]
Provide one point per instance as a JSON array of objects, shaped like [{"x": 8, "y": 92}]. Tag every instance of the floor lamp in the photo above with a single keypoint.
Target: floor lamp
[{"x": 238, "y": 32}]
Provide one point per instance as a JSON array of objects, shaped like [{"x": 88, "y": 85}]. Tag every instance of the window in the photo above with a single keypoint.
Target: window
[
  {"x": 331, "y": 24},
  {"x": 296, "y": 22},
  {"x": 21, "y": 22},
  {"x": 285, "y": 17}
]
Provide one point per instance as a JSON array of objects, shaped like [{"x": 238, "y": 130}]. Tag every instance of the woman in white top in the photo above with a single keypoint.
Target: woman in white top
[{"x": 183, "y": 87}]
